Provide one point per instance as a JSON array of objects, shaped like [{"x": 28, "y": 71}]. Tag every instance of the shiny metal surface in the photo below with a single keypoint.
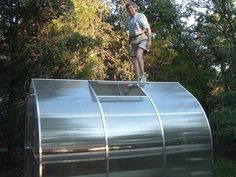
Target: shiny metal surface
[
  {"x": 187, "y": 132},
  {"x": 71, "y": 130},
  {"x": 109, "y": 129}
]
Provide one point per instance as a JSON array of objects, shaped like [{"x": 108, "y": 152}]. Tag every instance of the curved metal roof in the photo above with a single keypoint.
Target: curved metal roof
[{"x": 114, "y": 128}]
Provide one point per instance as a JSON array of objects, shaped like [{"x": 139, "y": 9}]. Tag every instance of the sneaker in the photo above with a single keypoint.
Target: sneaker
[{"x": 142, "y": 80}]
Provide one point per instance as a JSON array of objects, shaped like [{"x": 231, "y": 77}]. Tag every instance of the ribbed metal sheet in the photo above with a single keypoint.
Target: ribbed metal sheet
[{"x": 80, "y": 128}]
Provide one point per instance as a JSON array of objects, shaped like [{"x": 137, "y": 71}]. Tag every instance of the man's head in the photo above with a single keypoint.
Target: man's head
[{"x": 131, "y": 8}]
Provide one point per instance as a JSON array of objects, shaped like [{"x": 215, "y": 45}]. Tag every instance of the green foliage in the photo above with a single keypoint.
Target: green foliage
[
  {"x": 225, "y": 168},
  {"x": 85, "y": 42},
  {"x": 216, "y": 32},
  {"x": 223, "y": 123}
]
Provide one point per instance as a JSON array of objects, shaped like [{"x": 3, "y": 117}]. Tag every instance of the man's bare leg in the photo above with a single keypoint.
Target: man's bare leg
[
  {"x": 139, "y": 56},
  {"x": 140, "y": 60},
  {"x": 136, "y": 68}
]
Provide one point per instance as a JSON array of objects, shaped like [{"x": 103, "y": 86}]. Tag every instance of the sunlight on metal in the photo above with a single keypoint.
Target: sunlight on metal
[{"x": 88, "y": 128}]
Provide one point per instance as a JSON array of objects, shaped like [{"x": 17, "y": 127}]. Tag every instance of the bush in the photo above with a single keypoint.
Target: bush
[
  {"x": 223, "y": 125},
  {"x": 225, "y": 168}
]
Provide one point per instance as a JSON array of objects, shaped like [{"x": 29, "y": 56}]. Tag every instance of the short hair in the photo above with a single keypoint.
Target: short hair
[{"x": 131, "y": 3}]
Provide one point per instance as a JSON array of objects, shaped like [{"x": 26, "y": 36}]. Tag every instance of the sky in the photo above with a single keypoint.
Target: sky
[
  {"x": 179, "y": 1},
  {"x": 191, "y": 19}
]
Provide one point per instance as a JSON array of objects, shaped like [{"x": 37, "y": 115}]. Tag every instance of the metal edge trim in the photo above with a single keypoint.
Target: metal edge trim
[
  {"x": 125, "y": 96},
  {"x": 162, "y": 131},
  {"x": 101, "y": 81},
  {"x": 39, "y": 127},
  {"x": 105, "y": 130},
  {"x": 208, "y": 124}
]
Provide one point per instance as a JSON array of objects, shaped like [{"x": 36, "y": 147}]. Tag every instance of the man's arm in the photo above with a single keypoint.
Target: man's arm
[
  {"x": 149, "y": 35},
  {"x": 129, "y": 39}
]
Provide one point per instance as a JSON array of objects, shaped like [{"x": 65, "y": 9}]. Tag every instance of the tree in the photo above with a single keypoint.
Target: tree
[
  {"x": 216, "y": 31},
  {"x": 20, "y": 22},
  {"x": 83, "y": 38},
  {"x": 52, "y": 39}
]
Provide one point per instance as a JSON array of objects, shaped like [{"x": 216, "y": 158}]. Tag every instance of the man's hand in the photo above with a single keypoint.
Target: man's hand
[
  {"x": 129, "y": 47},
  {"x": 149, "y": 35},
  {"x": 149, "y": 45}
]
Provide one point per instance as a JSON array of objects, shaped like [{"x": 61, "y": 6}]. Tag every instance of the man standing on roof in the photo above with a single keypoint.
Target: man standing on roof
[{"x": 140, "y": 36}]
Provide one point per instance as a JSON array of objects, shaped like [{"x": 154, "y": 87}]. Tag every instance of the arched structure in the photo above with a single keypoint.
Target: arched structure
[{"x": 81, "y": 128}]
